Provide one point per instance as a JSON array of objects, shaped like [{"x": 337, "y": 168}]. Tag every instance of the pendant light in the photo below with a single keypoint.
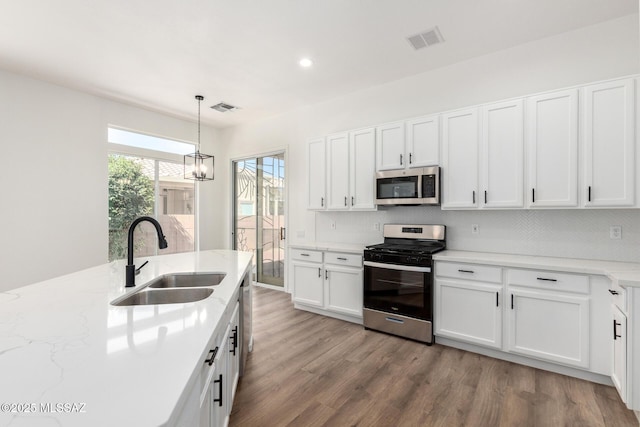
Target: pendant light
[{"x": 198, "y": 166}]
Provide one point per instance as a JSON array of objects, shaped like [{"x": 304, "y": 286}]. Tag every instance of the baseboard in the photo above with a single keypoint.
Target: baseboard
[{"x": 534, "y": 363}]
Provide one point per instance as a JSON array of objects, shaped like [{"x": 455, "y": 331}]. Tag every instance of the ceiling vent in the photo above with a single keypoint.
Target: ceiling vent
[
  {"x": 224, "y": 107},
  {"x": 426, "y": 38}
]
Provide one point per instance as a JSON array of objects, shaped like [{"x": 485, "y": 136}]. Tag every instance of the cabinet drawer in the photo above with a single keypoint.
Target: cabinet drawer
[
  {"x": 306, "y": 255},
  {"x": 550, "y": 280},
  {"x": 352, "y": 260},
  {"x": 477, "y": 272},
  {"x": 618, "y": 296}
]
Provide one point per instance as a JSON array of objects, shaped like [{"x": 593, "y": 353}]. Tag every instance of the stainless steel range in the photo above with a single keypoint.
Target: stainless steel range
[{"x": 398, "y": 282}]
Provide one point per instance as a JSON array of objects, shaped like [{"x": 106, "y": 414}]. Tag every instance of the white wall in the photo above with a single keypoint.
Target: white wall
[
  {"x": 53, "y": 171},
  {"x": 599, "y": 52}
]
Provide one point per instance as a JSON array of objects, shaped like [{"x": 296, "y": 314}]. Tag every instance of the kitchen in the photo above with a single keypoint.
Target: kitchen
[{"x": 57, "y": 126}]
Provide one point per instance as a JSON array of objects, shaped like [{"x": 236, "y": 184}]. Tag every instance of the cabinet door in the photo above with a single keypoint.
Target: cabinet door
[
  {"x": 220, "y": 405},
  {"x": 502, "y": 155},
  {"x": 460, "y": 159},
  {"x": 234, "y": 352},
  {"x": 619, "y": 368},
  {"x": 338, "y": 171},
  {"x": 553, "y": 149},
  {"x": 390, "y": 146},
  {"x": 423, "y": 141},
  {"x": 316, "y": 163},
  {"x": 609, "y": 144},
  {"x": 470, "y": 312},
  {"x": 549, "y": 326},
  {"x": 307, "y": 284},
  {"x": 362, "y": 171},
  {"x": 344, "y": 290}
]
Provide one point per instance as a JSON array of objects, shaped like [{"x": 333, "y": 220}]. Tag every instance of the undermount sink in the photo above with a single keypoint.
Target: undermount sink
[
  {"x": 187, "y": 280},
  {"x": 165, "y": 296}
]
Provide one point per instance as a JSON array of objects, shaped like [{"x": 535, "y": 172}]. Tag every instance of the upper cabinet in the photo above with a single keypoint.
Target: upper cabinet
[
  {"x": 609, "y": 143},
  {"x": 316, "y": 167},
  {"x": 502, "y": 155},
  {"x": 342, "y": 171},
  {"x": 411, "y": 144},
  {"x": 553, "y": 149},
  {"x": 460, "y": 136},
  {"x": 390, "y": 146}
]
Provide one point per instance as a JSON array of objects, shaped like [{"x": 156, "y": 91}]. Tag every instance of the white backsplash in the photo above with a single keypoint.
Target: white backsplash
[{"x": 560, "y": 233}]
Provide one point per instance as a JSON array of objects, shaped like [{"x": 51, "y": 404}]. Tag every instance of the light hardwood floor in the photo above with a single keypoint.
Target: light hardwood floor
[{"x": 311, "y": 370}]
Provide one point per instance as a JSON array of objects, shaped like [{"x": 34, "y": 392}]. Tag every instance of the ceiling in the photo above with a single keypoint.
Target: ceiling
[{"x": 159, "y": 54}]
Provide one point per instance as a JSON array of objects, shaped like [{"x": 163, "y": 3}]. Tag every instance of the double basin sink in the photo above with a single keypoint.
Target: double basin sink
[{"x": 173, "y": 288}]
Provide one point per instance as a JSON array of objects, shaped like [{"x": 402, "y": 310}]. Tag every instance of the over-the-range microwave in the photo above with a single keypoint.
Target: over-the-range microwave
[{"x": 419, "y": 186}]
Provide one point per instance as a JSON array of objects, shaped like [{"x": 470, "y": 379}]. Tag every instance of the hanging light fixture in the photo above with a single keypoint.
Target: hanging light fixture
[{"x": 198, "y": 166}]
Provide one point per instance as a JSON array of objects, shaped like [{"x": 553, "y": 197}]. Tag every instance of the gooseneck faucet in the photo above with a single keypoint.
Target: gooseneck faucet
[{"x": 162, "y": 244}]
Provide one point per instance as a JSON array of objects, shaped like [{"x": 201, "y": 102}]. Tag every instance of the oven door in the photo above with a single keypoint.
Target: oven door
[{"x": 400, "y": 289}]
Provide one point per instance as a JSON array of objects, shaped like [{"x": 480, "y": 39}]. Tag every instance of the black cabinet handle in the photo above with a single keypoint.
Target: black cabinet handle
[
  {"x": 485, "y": 197},
  {"x": 410, "y": 158},
  {"x": 319, "y": 272},
  {"x": 342, "y": 258},
  {"x": 589, "y": 198},
  {"x": 533, "y": 195},
  {"x": 352, "y": 201},
  {"x": 511, "y": 301},
  {"x": 234, "y": 341},
  {"x": 305, "y": 255},
  {"x": 497, "y": 299},
  {"x": 401, "y": 159},
  {"x": 345, "y": 200},
  {"x": 219, "y": 382},
  {"x": 612, "y": 292},
  {"x": 546, "y": 280},
  {"x": 326, "y": 274},
  {"x": 322, "y": 201},
  {"x": 466, "y": 271},
  {"x": 473, "y": 197},
  {"x": 212, "y": 353},
  {"x": 615, "y": 330},
  {"x": 283, "y": 233}
]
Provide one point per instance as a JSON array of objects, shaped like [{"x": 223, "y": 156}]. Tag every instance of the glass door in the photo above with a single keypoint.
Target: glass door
[{"x": 259, "y": 214}]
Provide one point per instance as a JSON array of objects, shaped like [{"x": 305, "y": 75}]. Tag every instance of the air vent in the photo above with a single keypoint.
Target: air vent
[
  {"x": 426, "y": 38},
  {"x": 224, "y": 107}
]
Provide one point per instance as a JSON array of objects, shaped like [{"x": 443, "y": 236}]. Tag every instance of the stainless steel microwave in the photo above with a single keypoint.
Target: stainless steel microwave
[{"x": 419, "y": 186}]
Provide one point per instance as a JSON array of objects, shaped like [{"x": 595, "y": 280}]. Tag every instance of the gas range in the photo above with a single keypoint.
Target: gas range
[{"x": 408, "y": 244}]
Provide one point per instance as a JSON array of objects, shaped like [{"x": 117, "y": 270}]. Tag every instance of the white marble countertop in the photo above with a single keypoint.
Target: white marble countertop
[
  {"x": 62, "y": 342},
  {"x": 330, "y": 246},
  {"x": 627, "y": 273}
]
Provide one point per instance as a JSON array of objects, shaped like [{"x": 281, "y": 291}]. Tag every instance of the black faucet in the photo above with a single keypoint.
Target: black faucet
[{"x": 162, "y": 244}]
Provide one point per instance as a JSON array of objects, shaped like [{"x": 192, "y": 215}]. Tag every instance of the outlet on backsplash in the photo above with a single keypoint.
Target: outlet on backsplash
[{"x": 615, "y": 232}]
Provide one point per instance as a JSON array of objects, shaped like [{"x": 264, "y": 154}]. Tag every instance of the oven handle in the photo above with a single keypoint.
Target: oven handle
[{"x": 397, "y": 267}]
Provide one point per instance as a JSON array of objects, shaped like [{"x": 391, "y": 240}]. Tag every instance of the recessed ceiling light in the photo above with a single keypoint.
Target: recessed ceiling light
[{"x": 306, "y": 63}]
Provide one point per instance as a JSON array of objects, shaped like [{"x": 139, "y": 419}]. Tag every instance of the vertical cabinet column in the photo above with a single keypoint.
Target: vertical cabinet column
[
  {"x": 460, "y": 136},
  {"x": 362, "y": 169},
  {"x": 338, "y": 171},
  {"x": 316, "y": 179},
  {"x": 609, "y": 143},
  {"x": 553, "y": 149}
]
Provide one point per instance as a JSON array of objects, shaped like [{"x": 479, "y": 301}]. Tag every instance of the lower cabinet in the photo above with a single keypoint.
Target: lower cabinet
[
  {"x": 549, "y": 326},
  {"x": 470, "y": 311},
  {"x": 328, "y": 282}
]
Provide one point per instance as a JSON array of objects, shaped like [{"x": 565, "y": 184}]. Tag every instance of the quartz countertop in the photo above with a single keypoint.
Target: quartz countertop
[
  {"x": 63, "y": 343},
  {"x": 626, "y": 273},
  {"x": 330, "y": 246}
]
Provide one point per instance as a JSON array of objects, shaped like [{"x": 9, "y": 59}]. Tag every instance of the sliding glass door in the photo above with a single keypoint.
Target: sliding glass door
[{"x": 259, "y": 214}]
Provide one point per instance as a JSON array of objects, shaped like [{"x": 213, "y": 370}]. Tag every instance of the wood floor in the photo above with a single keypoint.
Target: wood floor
[{"x": 310, "y": 370}]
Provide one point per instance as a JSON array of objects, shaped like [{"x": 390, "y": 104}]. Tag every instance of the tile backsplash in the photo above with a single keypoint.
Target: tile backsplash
[{"x": 578, "y": 233}]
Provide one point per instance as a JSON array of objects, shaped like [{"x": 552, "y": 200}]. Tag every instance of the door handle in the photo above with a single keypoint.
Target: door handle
[
  {"x": 615, "y": 330},
  {"x": 283, "y": 233},
  {"x": 410, "y": 158},
  {"x": 351, "y": 200},
  {"x": 219, "y": 382},
  {"x": 473, "y": 197},
  {"x": 322, "y": 202},
  {"x": 213, "y": 353},
  {"x": 533, "y": 195},
  {"x": 319, "y": 272},
  {"x": 485, "y": 197},
  {"x": 400, "y": 159},
  {"x": 345, "y": 200}
]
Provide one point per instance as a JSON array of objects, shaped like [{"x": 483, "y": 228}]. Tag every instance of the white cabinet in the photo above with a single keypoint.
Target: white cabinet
[
  {"x": 221, "y": 406},
  {"x": 460, "y": 137},
  {"x": 548, "y": 318},
  {"x": 609, "y": 143},
  {"x": 619, "y": 359},
  {"x": 338, "y": 171},
  {"x": 553, "y": 149},
  {"x": 423, "y": 141},
  {"x": 390, "y": 146},
  {"x": 502, "y": 155},
  {"x": 316, "y": 179},
  {"x": 328, "y": 283},
  {"x": 234, "y": 353},
  {"x": 362, "y": 169}
]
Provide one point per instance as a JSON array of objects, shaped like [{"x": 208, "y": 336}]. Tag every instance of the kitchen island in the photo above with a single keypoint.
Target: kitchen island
[{"x": 68, "y": 357}]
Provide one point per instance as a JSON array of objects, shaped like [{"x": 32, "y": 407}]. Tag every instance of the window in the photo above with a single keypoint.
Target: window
[{"x": 143, "y": 181}]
